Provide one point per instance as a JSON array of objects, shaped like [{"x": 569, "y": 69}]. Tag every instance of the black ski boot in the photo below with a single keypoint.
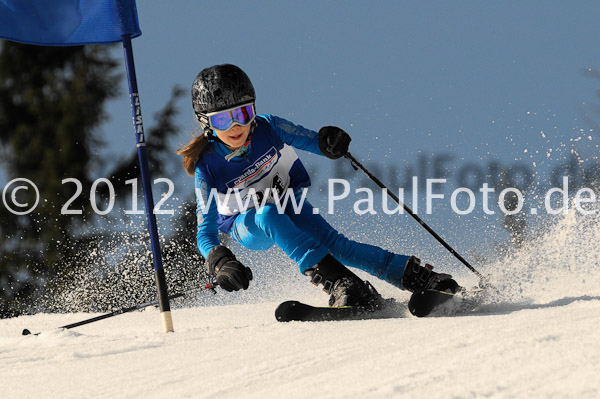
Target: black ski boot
[
  {"x": 417, "y": 278},
  {"x": 345, "y": 287}
]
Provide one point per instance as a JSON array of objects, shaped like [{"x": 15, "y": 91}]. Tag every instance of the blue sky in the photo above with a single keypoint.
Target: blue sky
[
  {"x": 475, "y": 83},
  {"x": 479, "y": 79}
]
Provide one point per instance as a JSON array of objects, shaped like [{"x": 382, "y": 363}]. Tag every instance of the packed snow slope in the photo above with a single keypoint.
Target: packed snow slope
[{"x": 537, "y": 337}]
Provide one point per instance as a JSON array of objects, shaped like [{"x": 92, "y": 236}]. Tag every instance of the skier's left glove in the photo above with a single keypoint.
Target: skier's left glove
[
  {"x": 333, "y": 142},
  {"x": 230, "y": 273}
]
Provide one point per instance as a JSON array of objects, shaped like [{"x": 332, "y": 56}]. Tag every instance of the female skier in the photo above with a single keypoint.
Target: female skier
[{"x": 241, "y": 157}]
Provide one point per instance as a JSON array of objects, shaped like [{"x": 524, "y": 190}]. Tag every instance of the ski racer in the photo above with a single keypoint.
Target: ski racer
[{"x": 243, "y": 156}]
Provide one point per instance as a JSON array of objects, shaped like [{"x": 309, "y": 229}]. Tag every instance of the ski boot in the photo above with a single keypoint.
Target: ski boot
[
  {"x": 417, "y": 277},
  {"x": 345, "y": 287}
]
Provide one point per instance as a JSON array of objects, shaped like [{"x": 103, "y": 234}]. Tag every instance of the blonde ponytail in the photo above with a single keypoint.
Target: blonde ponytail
[{"x": 191, "y": 153}]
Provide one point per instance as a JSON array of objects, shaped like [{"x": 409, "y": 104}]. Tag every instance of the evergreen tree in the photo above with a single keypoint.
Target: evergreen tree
[{"x": 52, "y": 103}]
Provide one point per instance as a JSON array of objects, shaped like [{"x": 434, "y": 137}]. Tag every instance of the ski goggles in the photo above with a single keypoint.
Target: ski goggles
[{"x": 225, "y": 119}]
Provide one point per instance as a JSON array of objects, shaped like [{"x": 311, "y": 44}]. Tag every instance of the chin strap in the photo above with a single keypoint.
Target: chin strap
[
  {"x": 243, "y": 150},
  {"x": 211, "y": 136},
  {"x": 240, "y": 151}
]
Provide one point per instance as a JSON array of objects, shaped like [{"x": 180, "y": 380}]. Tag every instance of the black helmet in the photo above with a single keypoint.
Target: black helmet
[{"x": 220, "y": 87}]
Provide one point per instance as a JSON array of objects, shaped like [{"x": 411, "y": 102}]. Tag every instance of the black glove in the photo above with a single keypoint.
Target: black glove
[
  {"x": 231, "y": 275},
  {"x": 333, "y": 142}
]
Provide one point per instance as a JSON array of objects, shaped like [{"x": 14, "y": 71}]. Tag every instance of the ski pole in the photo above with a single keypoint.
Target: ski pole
[
  {"x": 140, "y": 306},
  {"x": 358, "y": 165}
]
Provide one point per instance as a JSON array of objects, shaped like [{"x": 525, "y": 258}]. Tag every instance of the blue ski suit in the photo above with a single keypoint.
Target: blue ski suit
[{"x": 269, "y": 167}]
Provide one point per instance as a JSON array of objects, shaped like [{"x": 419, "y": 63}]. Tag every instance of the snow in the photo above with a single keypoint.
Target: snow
[
  {"x": 537, "y": 338},
  {"x": 240, "y": 351}
]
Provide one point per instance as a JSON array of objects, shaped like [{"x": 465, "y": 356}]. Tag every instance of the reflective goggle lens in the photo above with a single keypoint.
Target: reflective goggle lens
[{"x": 224, "y": 120}]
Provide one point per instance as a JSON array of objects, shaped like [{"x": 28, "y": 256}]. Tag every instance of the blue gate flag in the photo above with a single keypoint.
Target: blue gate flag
[{"x": 68, "y": 22}]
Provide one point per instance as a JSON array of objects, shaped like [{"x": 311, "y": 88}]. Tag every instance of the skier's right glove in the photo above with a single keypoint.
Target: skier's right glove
[{"x": 230, "y": 273}]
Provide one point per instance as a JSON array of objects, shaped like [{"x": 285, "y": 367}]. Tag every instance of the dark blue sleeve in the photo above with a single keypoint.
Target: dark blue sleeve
[
  {"x": 295, "y": 135},
  {"x": 206, "y": 213}
]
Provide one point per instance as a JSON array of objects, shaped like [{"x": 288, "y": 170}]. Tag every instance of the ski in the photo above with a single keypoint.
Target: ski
[
  {"x": 298, "y": 311},
  {"x": 422, "y": 303}
]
